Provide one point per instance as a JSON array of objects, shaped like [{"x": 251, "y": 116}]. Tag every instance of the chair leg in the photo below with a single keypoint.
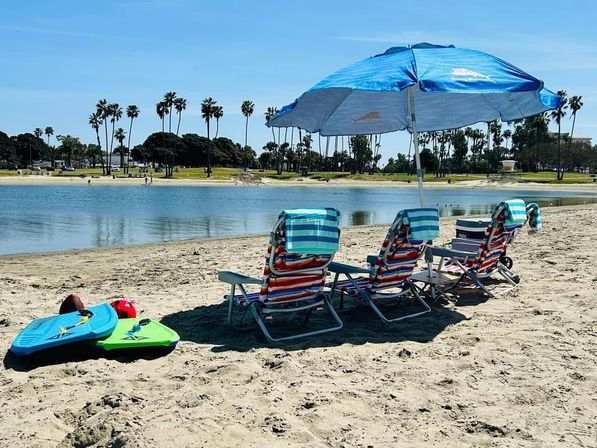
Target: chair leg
[
  {"x": 309, "y": 312},
  {"x": 257, "y": 316},
  {"x": 231, "y": 303},
  {"x": 366, "y": 295},
  {"x": 473, "y": 276}
]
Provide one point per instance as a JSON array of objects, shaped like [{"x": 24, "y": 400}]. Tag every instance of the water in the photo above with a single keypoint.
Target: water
[{"x": 53, "y": 218}]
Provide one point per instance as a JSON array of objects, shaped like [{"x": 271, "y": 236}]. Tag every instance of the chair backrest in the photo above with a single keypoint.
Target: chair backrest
[
  {"x": 498, "y": 234},
  {"x": 400, "y": 250},
  {"x": 291, "y": 276},
  {"x": 534, "y": 218}
]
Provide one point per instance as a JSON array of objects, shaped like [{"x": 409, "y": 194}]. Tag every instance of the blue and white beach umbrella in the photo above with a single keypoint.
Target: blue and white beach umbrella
[{"x": 423, "y": 87}]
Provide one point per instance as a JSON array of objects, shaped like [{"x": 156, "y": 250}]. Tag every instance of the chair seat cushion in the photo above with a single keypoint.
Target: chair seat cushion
[
  {"x": 253, "y": 297},
  {"x": 303, "y": 296},
  {"x": 348, "y": 287}
]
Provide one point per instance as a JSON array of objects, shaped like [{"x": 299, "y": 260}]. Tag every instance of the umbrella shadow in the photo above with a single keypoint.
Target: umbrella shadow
[
  {"x": 207, "y": 325},
  {"x": 78, "y": 352}
]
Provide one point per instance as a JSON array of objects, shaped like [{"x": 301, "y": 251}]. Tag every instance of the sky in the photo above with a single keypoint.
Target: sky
[{"x": 58, "y": 58}]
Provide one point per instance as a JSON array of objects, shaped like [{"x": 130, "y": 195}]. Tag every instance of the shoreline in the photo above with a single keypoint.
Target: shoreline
[
  {"x": 304, "y": 182},
  {"x": 173, "y": 244}
]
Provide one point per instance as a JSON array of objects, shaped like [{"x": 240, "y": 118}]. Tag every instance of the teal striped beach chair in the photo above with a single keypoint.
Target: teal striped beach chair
[
  {"x": 386, "y": 281},
  {"x": 302, "y": 245},
  {"x": 467, "y": 264}
]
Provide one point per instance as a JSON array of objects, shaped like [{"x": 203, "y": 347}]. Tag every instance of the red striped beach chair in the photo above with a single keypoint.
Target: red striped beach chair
[
  {"x": 388, "y": 275},
  {"x": 302, "y": 246},
  {"x": 465, "y": 265}
]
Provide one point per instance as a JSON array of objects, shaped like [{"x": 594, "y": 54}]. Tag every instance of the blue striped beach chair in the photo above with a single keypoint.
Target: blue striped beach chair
[
  {"x": 469, "y": 265},
  {"x": 387, "y": 279},
  {"x": 302, "y": 245}
]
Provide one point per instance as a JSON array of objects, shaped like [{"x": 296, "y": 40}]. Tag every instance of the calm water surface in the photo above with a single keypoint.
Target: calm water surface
[{"x": 52, "y": 218}]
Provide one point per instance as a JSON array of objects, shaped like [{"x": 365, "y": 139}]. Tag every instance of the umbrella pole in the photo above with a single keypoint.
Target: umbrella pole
[
  {"x": 413, "y": 121},
  {"x": 488, "y": 146}
]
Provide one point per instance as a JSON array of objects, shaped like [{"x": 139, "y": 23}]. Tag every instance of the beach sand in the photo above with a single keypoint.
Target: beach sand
[
  {"x": 518, "y": 371},
  {"x": 493, "y": 183}
]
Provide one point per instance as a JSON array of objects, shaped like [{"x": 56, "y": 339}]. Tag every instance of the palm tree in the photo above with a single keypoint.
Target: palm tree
[
  {"x": 217, "y": 114},
  {"x": 207, "y": 110},
  {"x": 269, "y": 114},
  {"x": 96, "y": 121},
  {"x": 103, "y": 114},
  {"x": 115, "y": 114},
  {"x": 247, "y": 108},
  {"x": 49, "y": 131},
  {"x": 169, "y": 98},
  {"x": 495, "y": 129},
  {"x": 507, "y": 136},
  {"x": 162, "y": 111},
  {"x": 132, "y": 112},
  {"x": 180, "y": 104},
  {"x": 575, "y": 105},
  {"x": 557, "y": 115},
  {"x": 38, "y": 132},
  {"x": 120, "y": 135}
]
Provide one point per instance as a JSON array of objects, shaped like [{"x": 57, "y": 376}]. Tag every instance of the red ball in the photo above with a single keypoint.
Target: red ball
[{"x": 124, "y": 309}]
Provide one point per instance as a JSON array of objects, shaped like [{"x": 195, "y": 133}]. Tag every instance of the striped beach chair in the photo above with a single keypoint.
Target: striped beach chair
[
  {"x": 464, "y": 264},
  {"x": 302, "y": 245},
  {"x": 387, "y": 278}
]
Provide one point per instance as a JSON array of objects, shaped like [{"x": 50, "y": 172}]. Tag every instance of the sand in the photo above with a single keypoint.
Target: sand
[
  {"x": 518, "y": 371},
  {"x": 493, "y": 183}
]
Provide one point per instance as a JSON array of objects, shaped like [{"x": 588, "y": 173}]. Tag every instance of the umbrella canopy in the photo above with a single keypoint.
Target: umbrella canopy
[{"x": 451, "y": 88}]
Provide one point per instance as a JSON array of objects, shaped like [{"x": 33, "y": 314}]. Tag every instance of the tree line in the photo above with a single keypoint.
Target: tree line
[{"x": 468, "y": 150}]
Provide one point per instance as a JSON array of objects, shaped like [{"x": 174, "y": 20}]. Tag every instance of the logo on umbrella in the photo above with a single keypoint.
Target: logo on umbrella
[
  {"x": 368, "y": 116},
  {"x": 464, "y": 74}
]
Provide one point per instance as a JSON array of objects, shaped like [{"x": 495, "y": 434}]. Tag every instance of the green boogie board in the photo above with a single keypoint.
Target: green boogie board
[{"x": 138, "y": 332}]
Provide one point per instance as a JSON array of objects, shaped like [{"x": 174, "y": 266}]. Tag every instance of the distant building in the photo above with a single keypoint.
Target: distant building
[
  {"x": 583, "y": 140},
  {"x": 115, "y": 161},
  {"x": 565, "y": 137}
]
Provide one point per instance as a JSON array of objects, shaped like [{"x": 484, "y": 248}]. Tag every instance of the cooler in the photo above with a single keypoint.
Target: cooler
[{"x": 472, "y": 228}]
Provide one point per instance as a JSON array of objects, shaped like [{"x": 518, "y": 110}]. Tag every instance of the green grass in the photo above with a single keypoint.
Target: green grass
[
  {"x": 546, "y": 177},
  {"x": 549, "y": 177}
]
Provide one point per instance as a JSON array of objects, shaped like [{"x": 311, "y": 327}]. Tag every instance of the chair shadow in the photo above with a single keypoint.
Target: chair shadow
[
  {"x": 207, "y": 325},
  {"x": 471, "y": 296},
  {"x": 79, "y": 352}
]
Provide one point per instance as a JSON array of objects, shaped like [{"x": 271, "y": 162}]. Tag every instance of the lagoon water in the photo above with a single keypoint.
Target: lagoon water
[{"x": 55, "y": 218}]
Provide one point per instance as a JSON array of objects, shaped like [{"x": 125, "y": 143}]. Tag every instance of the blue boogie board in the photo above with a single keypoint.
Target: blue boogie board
[{"x": 53, "y": 331}]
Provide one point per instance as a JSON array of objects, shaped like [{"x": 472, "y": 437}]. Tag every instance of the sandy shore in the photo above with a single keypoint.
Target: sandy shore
[
  {"x": 518, "y": 371},
  {"x": 305, "y": 182}
]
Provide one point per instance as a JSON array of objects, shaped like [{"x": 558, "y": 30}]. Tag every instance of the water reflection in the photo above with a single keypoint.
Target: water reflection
[
  {"x": 49, "y": 218},
  {"x": 360, "y": 218}
]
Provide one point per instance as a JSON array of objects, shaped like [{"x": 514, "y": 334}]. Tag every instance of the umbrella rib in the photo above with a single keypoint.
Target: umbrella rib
[
  {"x": 334, "y": 110},
  {"x": 486, "y": 98}
]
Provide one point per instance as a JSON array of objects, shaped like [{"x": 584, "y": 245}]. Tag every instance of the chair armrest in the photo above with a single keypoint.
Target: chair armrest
[
  {"x": 371, "y": 259},
  {"x": 237, "y": 279},
  {"x": 342, "y": 268},
  {"x": 442, "y": 252}
]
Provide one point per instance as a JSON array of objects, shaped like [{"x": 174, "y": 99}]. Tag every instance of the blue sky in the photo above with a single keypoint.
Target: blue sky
[{"x": 60, "y": 57}]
